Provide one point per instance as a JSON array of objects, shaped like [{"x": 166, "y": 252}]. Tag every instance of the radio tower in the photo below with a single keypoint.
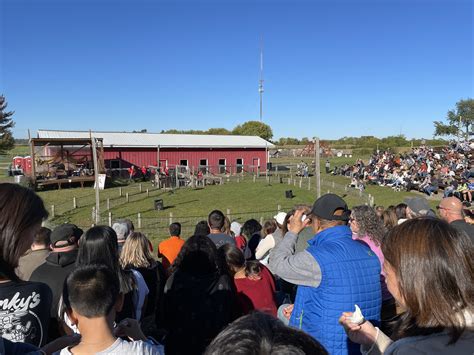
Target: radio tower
[{"x": 260, "y": 82}]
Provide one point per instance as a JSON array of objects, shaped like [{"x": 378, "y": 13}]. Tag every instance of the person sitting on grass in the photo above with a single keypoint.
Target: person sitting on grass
[{"x": 92, "y": 297}]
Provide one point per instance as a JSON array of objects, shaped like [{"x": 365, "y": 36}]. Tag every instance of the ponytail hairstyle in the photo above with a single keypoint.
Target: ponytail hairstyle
[{"x": 235, "y": 260}]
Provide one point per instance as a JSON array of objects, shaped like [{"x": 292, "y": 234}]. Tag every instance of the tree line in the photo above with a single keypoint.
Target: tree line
[{"x": 459, "y": 121}]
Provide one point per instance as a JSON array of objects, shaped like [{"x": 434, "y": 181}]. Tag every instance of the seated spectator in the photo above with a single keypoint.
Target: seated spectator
[
  {"x": 267, "y": 242},
  {"x": 60, "y": 263},
  {"x": 25, "y": 310},
  {"x": 450, "y": 209},
  {"x": 136, "y": 255},
  {"x": 450, "y": 189},
  {"x": 333, "y": 273},
  {"x": 99, "y": 246},
  {"x": 169, "y": 249},
  {"x": 259, "y": 333},
  {"x": 216, "y": 221},
  {"x": 36, "y": 255},
  {"x": 199, "y": 298},
  {"x": 123, "y": 228},
  {"x": 464, "y": 191},
  {"x": 92, "y": 297},
  {"x": 433, "y": 185},
  {"x": 254, "y": 283},
  {"x": 429, "y": 272}
]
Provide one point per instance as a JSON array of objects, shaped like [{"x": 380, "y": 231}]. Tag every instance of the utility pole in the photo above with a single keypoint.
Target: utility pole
[
  {"x": 96, "y": 175},
  {"x": 260, "y": 82},
  {"x": 317, "y": 167}
]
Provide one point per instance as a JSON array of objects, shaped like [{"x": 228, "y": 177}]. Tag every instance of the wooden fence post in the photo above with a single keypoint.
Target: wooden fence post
[
  {"x": 110, "y": 219},
  {"x": 139, "y": 221},
  {"x": 254, "y": 178},
  {"x": 278, "y": 208},
  {"x": 52, "y": 211},
  {"x": 301, "y": 181},
  {"x": 140, "y": 187},
  {"x": 108, "y": 204},
  {"x": 120, "y": 191},
  {"x": 147, "y": 193},
  {"x": 228, "y": 213},
  {"x": 171, "y": 217},
  {"x": 74, "y": 202},
  {"x": 261, "y": 220},
  {"x": 93, "y": 214},
  {"x": 309, "y": 184},
  {"x": 127, "y": 198}
]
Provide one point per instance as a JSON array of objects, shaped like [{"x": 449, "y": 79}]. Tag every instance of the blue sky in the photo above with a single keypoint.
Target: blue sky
[{"x": 331, "y": 68}]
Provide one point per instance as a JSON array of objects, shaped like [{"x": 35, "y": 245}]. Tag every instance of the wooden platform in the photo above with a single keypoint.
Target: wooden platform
[{"x": 71, "y": 180}]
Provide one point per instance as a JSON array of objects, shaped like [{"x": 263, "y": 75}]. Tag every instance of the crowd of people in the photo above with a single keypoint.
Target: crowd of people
[
  {"x": 319, "y": 279},
  {"x": 424, "y": 169}
]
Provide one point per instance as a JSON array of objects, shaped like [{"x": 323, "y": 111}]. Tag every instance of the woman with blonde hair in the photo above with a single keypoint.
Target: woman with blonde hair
[{"x": 136, "y": 255}]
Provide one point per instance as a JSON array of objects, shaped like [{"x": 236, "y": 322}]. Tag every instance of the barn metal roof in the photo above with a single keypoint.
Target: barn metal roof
[{"x": 148, "y": 140}]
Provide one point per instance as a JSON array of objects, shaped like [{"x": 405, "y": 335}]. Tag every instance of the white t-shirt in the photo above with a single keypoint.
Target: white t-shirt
[
  {"x": 143, "y": 291},
  {"x": 123, "y": 347},
  {"x": 264, "y": 246}
]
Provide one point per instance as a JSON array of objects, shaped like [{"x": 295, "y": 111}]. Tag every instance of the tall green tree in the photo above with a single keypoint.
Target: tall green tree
[
  {"x": 6, "y": 124},
  {"x": 254, "y": 128},
  {"x": 459, "y": 120}
]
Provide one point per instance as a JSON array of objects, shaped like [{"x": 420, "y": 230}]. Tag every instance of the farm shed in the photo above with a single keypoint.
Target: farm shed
[{"x": 216, "y": 154}]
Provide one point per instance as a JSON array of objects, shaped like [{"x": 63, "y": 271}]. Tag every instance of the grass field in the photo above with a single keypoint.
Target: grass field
[
  {"x": 244, "y": 199},
  {"x": 241, "y": 200}
]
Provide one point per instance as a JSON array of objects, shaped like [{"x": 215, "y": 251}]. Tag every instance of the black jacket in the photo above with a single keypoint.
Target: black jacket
[
  {"x": 196, "y": 309},
  {"x": 462, "y": 226},
  {"x": 53, "y": 273}
]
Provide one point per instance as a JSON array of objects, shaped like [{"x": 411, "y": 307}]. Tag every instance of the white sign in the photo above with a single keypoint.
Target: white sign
[{"x": 101, "y": 181}]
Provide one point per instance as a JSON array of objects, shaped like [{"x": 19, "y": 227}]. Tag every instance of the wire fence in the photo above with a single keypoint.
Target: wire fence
[{"x": 156, "y": 227}]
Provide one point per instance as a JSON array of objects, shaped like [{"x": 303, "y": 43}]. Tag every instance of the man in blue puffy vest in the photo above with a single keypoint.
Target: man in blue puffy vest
[{"x": 333, "y": 274}]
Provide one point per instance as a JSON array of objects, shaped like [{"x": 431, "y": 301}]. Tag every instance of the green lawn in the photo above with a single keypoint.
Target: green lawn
[{"x": 244, "y": 199}]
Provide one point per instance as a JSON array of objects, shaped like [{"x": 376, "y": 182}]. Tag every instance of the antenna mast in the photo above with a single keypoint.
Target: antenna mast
[{"x": 260, "y": 82}]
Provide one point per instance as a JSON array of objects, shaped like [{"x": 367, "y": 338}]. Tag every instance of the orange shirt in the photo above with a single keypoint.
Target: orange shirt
[{"x": 169, "y": 249}]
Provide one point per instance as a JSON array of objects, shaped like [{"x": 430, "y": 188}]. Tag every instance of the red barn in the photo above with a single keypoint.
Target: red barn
[{"x": 215, "y": 153}]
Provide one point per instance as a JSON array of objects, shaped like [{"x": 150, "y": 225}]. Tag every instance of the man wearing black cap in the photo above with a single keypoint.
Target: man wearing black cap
[
  {"x": 333, "y": 274},
  {"x": 58, "y": 265}
]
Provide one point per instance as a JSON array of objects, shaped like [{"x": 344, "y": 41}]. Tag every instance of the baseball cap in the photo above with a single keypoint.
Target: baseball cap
[
  {"x": 418, "y": 205},
  {"x": 121, "y": 229},
  {"x": 326, "y": 206},
  {"x": 280, "y": 217},
  {"x": 64, "y": 231}
]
